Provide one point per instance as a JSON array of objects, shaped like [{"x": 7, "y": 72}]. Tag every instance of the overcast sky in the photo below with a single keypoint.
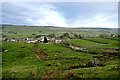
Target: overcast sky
[{"x": 62, "y": 14}]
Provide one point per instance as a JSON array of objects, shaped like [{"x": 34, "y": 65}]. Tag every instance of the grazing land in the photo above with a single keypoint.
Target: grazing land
[
  {"x": 27, "y": 31},
  {"x": 102, "y": 40},
  {"x": 113, "y": 43},
  {"x": 74, "y": 58},
  {"x": 114, "y": 38},
  {"x": 81, "y": 42}
]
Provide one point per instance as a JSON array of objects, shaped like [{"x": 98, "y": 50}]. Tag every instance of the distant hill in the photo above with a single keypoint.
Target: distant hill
[{"x": 10, "y": 25}]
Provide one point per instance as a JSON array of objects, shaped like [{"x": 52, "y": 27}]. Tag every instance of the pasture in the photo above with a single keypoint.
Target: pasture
[
  {"x": 81, "y": 42},
  {"x": 103, "y": 40},
  {"x": 114, "y": 38},
  {"x": 23, "y": 32},
  {"x": 51, "y": 61},
  {"x": 58, "y": 61},
  {"x": 113, "y": 43}
]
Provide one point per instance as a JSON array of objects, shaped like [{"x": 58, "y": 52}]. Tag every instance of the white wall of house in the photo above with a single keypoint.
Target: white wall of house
[{"x": 57, "y": 41}]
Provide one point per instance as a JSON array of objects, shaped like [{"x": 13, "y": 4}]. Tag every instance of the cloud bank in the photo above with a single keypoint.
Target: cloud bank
[{"x": 60, "y": 14}]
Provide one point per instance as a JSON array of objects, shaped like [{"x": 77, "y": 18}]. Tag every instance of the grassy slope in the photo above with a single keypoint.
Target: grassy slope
[
  {"x": 114, "y": 38},
  {"x": 27, "y": 31},
  {"x": 13, "y": 63},
  {"x": 21, "y": 64},
  {"x": 114, "y": 43},
  {"x": 94, "y": 45},
  {"x": 98, "y": 72},
  {"x": 21, "y": 67},
  {"x": 81, "y": 42},
  {"x": 101, "y": 50}
]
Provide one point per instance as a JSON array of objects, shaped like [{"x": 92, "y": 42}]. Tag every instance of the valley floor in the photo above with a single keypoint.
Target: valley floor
[{"x": 59, "y": 61}]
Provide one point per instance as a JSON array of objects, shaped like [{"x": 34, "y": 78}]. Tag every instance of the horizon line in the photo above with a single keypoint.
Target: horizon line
[{"x": 56, "y": 26}]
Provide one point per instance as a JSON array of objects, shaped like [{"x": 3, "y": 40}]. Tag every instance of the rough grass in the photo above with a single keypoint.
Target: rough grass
[
  {"x": 108, "y": 71},
  {"x": 53, "y": 65},
  {"x": 113, "y": 42},
  {"x": 13, "y": 63},
  {"x": 101, "y": 50},
  {"x": 114, "y": 38},
  {"x": 27, "y": 31},
  {"x": 81, "y": 42}
]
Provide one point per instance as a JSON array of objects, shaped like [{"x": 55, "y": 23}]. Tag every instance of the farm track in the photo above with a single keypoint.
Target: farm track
[
  {"x": 93, "y": 45},
  {"x": 77, "y": 48}
]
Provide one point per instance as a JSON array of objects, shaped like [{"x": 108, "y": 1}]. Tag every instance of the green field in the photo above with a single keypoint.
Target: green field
[
  {"x": 81, "y": 42},
  {"x": 58, "y": 61},
  {"x": 113, "y": 42},
  {"x": 114, "y": 38},
  {"x": 53, "y": 59},
  {"x": 23, "y": 32},
  {"x": 86, "y": 43},
  {"x": 101, "y": 50},
  {"x": 14, "y": 61}
]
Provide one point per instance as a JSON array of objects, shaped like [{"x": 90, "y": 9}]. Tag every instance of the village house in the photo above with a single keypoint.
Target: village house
[
  {"x": 117, "y": 35},
  {"x": 58, "y": 41},
  {"x": 35, "y": 40},
  {"x": 41, "y": 39},
  {"x": 21, "y": 39},
  {"x": 31, "y": 41},
  {"x": 5, "y": 39},
  {"x": 52, "y": 39},
  {"x": 29, "y": 38},
  {"x": 48, "y": 38},
  {"x": 13, "y": 40},
  {"x": 8, "y": 40},
  {"x": 112, "y": 35}
]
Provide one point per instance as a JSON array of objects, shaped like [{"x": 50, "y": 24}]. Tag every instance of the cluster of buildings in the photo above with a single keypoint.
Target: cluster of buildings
[
  {"x": 41, "y": 39},
  {"x": 34, "y": 40}
]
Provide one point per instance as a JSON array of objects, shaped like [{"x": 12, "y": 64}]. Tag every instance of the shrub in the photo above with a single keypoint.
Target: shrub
[
  {"x": 45, "y": 40},
  {"x": 69, "y": 74}
]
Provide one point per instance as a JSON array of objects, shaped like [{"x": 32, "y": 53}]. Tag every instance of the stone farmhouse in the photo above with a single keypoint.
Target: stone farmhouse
[{"x": 34, "y": 40}]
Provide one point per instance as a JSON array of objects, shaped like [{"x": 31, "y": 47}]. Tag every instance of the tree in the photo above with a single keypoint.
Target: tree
[
  {"x": 66, "y": 34},
  {"x": 103, "y": 35},
  {"x": 76, "y": 36},
  {"x": 38, "y": 36},
  {"x": 33, "y": 34},
  {"x": 80, "y": 36},
  {"x": 45, "y": 40},
  {"x": 61, "y": 37},
  {"x": 39, "y": 31},
  {"x": 3, "y": 35},
  {"x": 52, "y": 35}
]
